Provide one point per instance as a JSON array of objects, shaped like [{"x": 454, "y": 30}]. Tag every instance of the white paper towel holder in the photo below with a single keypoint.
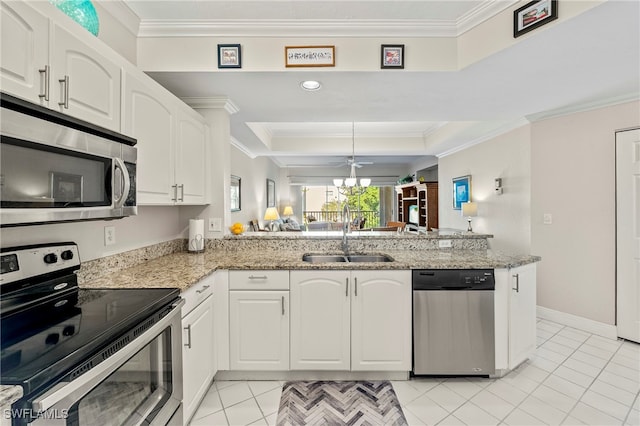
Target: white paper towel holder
[{"x": 196, "y": 241}]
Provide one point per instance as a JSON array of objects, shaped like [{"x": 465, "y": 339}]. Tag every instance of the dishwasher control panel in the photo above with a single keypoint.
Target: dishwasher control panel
[{"x": 453, "y": 279}]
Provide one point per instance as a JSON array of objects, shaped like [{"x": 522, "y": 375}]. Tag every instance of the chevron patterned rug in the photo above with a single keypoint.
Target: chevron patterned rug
[{"x": 339, "y": 403}]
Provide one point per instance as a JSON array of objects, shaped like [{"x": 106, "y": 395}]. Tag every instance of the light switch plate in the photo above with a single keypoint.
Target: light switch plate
[
  {"x": 547, "y": 219},
  {"x": 215, "y": 224}
]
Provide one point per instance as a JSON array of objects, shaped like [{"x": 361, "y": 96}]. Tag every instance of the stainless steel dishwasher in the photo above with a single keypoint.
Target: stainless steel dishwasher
[{"x": 453, "y": 322}]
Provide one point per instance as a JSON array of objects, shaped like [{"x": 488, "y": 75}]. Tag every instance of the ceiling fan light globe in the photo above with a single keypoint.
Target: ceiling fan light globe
[
  {"x": 364, "y": 182},
  {"x": 350, "y": 182},
  {"x": 337, "y": 182}
]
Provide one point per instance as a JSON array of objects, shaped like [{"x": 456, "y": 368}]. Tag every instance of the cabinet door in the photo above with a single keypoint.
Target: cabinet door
[
  {"x": 522, "y": 314},
  {"x": 148, "y": 118},
  {"x": 24, "y": 45},
  {"x": 197, "y": 355},
  {"x": 259, "y": 330},
  {"x": 320, "y": 320},
  {"x": 190, "y": 155},
  {"x": 93, "y": 88},
  {"x": 381, "y": 321}
]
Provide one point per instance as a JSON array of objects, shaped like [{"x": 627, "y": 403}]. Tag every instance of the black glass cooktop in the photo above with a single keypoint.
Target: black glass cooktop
[{"x": 42, "y": 345}]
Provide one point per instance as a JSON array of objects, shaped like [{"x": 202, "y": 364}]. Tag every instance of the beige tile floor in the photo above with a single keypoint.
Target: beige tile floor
[{"x": 575, "y": 378}]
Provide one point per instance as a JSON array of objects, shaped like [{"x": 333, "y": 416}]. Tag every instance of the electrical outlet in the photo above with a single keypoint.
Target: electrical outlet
[
  {"x": 444, "y": 243},
  {"x": 109, "y": 235},
  {"x": 215, "y": 224},
  {"x": 547, "y": 219}
]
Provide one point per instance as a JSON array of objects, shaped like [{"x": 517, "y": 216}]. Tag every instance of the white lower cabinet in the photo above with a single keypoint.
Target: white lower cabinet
[
  {"x": 198, "y": 365},
  {"x": 522, "y": 314},
  {"x": 351, "y": 320},
  {"x": 259, "y": 330}
]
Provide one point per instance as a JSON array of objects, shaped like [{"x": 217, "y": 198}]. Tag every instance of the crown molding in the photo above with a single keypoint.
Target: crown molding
[
  {"x": 496, "y": 132},
  {"x": 296, "y": 28},
  {"x": 588, "y": 106},
  {"x": 122, "y": 13},
  {"x": 240, "y": 147},
  {"x": 484, "y": 11},
  {"x": 212, "y": 102}
]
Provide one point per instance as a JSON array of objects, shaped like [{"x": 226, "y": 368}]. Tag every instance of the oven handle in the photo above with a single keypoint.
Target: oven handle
[{"x": 85, "y": 383}]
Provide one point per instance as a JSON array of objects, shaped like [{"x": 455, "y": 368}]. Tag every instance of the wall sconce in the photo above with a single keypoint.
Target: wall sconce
[
  {"x": 498, "y": 182},
  {"x": 271, "y": 214},
  {"x": 469, "y": 210}
]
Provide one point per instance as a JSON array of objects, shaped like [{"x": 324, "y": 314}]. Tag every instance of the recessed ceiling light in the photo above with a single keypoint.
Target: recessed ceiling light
[{"x": 310, "y": 85}]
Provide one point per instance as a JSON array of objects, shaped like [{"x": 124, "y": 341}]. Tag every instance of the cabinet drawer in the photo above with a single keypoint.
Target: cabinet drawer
[
  {"x": 195, "y": 294},
  {"x": 259, "y": 280}
]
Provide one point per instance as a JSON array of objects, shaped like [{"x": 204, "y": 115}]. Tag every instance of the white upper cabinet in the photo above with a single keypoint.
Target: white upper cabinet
[
  {"x": 171, "y": 143},
  {"x": 190, "y": 155},
  {"x": 84, "y": 83},
  {"x": 148, "y": 118},
  {"x": 24, "y": 43}
]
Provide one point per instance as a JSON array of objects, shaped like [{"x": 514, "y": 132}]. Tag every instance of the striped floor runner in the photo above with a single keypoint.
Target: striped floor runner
[{"x": 339, "y": 403}]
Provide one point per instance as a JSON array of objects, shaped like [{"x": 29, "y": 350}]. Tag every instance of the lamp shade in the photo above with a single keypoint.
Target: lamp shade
[
  {"x": 337, "y": 182},
  {"x": 271, "y": 214},
  {"x": 364, "y": 182},
  {"x": 288, "y": 211},
  {"x": 469, "y": 209}
]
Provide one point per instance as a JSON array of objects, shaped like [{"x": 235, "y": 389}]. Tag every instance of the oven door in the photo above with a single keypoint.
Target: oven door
[{"x": 141, "y": 384}]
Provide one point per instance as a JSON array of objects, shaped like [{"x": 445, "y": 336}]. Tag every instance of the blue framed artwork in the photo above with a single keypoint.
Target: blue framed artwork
[{"x": 461, "y": 191}]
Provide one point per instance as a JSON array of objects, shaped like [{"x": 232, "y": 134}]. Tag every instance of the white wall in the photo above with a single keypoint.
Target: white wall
[
  {"x": 114, "y": 33},
  {"x": 152, "y": 225},
  {"x": 573, "y": 178},
  {"x": 254, "y": 174},
  {"x": 506, "y": 216}
]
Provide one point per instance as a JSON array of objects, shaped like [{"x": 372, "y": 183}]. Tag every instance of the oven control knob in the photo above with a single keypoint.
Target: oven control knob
[
  {"x": 50, "y": 258},
  {"x": 66, "y": 255}
]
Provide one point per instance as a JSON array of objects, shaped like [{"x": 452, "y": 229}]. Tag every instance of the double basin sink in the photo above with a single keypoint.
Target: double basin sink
[{"x": 329, "y": 258}]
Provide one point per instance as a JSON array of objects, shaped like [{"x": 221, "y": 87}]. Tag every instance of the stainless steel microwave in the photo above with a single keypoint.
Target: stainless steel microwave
[{"x": 55, "y": 168}]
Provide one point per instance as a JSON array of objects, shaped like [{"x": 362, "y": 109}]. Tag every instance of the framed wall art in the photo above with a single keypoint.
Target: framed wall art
[
  {"x": 229, "y": 56},
  {"x": 271, "y": 193},
  {"x": 310, "y": 56},
  {"x": 533, "y": 15},
  {"x": 236, "y": 193},
  {"x": 461, "y": 191},
  {"x": 392, "y": 56}
]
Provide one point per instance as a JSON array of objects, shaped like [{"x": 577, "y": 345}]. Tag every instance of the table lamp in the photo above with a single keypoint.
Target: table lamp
[
  {"x": 469, "y": 210},
  {"x": 288, "y": 211},
  {"x": 271, "y": 214}
]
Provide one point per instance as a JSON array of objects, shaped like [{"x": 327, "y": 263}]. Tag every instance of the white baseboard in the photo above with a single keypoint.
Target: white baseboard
[{"x": 584, "y": 324}]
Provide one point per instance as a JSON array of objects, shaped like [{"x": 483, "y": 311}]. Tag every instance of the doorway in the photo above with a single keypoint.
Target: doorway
[{"x": 628, "y": 234}]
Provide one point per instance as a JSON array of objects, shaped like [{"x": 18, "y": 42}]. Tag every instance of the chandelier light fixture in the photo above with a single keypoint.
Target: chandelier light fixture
[{"x": 352, "y": 180}]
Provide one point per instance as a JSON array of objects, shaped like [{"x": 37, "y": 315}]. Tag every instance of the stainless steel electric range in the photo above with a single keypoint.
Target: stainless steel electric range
[{"x": 86, "y": 357}]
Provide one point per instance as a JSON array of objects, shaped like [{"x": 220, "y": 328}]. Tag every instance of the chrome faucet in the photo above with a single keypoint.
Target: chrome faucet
[{"x": 346, "y": 217}]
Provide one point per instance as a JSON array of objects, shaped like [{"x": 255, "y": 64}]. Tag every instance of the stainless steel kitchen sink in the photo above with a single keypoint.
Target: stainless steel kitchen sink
[
  {"x": 323, "y": 258},
  {"x": 328, "y": 258},
  {"x": 370, "y": 258}
]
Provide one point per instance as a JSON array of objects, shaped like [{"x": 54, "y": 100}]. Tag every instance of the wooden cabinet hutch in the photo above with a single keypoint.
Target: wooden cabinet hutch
[{"x": 424, "y": 195}]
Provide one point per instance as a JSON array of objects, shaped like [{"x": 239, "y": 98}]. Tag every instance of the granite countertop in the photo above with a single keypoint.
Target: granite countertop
[
  {"x": 8, "y": 395},
  {"x": 445, "y": 233},
  {"x": 182, "y": 270}
]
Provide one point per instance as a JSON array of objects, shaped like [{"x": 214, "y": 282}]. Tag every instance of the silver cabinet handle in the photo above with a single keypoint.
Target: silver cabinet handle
[
  {"x": 175, "y": 192},
  {"x": 257, "y": 277},
  {"x": 64, "y": 86},
  {"x": 181, "y": 192},
  {"x": 346, "y": 293},
  {"x": 204, "y": 287},
  {"x": 44, "y": 73},
  {"x": 188, "y": 344},
  {"x": 356, "y": 286},
  {"x": 517, "y": 277},
  {"x": 282, "y": 305}
]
